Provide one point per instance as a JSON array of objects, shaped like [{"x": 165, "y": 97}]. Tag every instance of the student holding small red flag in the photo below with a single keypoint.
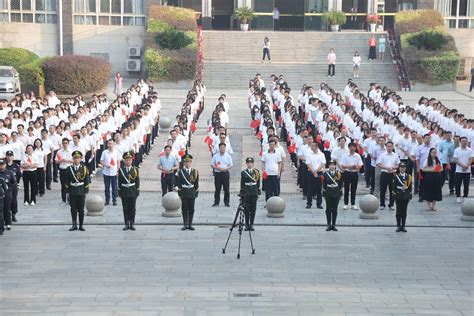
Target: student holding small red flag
[
  {"x": 433, "y": 179},
  {"x": 29, "y": 165},
  {"x": 110, "y": 160}
]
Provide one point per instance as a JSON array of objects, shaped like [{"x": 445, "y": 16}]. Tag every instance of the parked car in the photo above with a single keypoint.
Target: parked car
[{"x": 9, "y": 80}]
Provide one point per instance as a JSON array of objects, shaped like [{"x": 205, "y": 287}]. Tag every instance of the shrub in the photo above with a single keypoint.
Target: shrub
[
  {"x": 73, "y": 74},
  {"x": 157, "y": 64},
  {"x": 155, "y": 26},
  {"x": 170, "y": 65},
  {"x": 335, "y": 17},
  {"x": 417, "y": 20},
  {"x": 32, "y": 74},
  {"x": 179, "y": 18},
  {"x": 173, "y": 39},
  {"x": 16, "y": 57},
  {"x": 429, "y": 39},
  {"x": 441, "y": 69}
]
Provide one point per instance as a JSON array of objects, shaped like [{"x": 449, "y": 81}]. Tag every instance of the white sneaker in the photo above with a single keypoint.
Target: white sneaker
[
  {"x": 391, "y": 208},
  {"x": 26, "y": 204},
  {"x": 32, "y": 203},
  {"x": 354, "y": 207},
  {"x": 458, "y": 200},
  {"x": 345, "y": 207},
  {"x": 382, "y": 208}
]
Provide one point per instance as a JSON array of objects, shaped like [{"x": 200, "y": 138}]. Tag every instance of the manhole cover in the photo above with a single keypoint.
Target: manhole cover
[{"x": 247, "y": 294}]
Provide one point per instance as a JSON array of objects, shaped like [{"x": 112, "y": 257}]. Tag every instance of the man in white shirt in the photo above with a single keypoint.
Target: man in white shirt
[
  {"x": 110, "y": 160},
  {"x": 316, "y": 161},
  {"x": 63, "y": 159},
  {"x": 339, "y": 152},
  {"x": 271, "y": 170},
  {"x": 221, "y": 163},
  {"x": 4, "y": 146},
  {"x": 366, "y": 145},
  {"x": 388, "y": 163},
  {"x": 351, "y": 164},
  {"x": 463, "y": 157}
]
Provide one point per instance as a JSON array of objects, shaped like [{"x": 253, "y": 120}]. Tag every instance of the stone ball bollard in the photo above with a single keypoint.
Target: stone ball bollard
[
  {"x": 165, "y": 122},
  {"x": 368, "y": 205},
  {"x": 171, "y": 203},
  {"x": 275, "y": 207},
  {"x": 94, "y": 205},
  {"x": 467, "y": 209}
]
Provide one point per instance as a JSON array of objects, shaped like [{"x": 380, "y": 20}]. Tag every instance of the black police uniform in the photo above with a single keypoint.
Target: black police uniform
[
  {"x": 129, "y": 190},
  {"x": 16, "y": 170},
  {"x": 3, "y": 189},
  {"x": 10, "y": 181},
  {"x": 188, "y": 190},
  {"x": 77, "y": 185},
  {"x": 332, "y": 188},
  {"x": 249, "y": 191},
  {"x": 402, "y": 197}
]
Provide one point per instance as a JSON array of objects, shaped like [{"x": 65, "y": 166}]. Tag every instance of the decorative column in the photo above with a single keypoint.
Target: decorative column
[
  {"x": 207, "y": 14},
  {"x": 65, "y": 27}
]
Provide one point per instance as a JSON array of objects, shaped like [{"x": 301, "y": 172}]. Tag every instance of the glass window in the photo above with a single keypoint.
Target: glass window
[
  {"x": 4, "y": 5},
  {"x": 15, "y": 5},
  {"x": 3, "y": 17},
  {"x": 116, "y": 6},
  {"x": 316, "y": 6},
  {"x": 133, "y": 6},
  {"x": 27, "y": 18},
  {"x": 40, "y": 18},
  {"x": 127, "y": 20},
  {"x": 52, "y": 18},
  {"x": 45, "y": 5},
  {"x": 105, "y": 6},
  {"x": 103, "y": 20},
  {"x": 115, "y": 20},
  {"x": 140, "y": 21},
  {"x": 26, "y": 5},
  {"x": 84, "y": 6}
]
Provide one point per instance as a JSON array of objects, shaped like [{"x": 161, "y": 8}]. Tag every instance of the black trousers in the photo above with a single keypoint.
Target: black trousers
[
  {"x": 314, "y": 189},
  {"x": 129, "y": 209},
  {"x": 266, "y": 52},
  {"x": 372, "y": 178},
  {"x": 77, "y": 203},
  {"x": 452, "y": 177},
  {"x": 49, "y": 171},
  {"x": 472, "y": 84},
  {"x": 401, "y": 213},
  {"x": 55, "y": 168},
  {"x": 7, "y": 211},
  {"x": 2, "y": 221},
  {"x": 187, "y": 209},
  {"x": 331, "y": 210},
  {"x": 14, "y": 202},
  {"x": 30, "y": 186},
  {"x": 351, "y": 179},
  {"x": 221, "y": 180},
  {"x": 250, "y": 207},
  {"x": 367, "y": 170},
  {"x": 167, "y": 183},
  {"x": 462, "y": 178},
  {"x": 271, "y": 187},
  {"x": 40, "y": 179},
  {"x": 90, "y": 163},
  {"x": 62, "y": 178},
  {"x": 331, "y": 70},
  {"x": 386, "y": 182}
]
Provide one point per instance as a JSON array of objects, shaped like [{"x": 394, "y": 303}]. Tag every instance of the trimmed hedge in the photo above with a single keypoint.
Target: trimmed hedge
[
  {"x": 171, "y": 65},
  {"x": 179, "y": 18},
  {"x": 413, "y": 21},
  {"x": 441, "y": 68},
  {"x": 172, "y": 38},
  {"x": 16, "y": 57},
  {"x": 429, "y": 39},
  {"x": 32, "y": 74},
  {"x": 73, "y": 74}
]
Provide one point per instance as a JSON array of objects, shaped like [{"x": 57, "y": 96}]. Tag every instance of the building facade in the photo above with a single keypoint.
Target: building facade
[{"x": 113, "y": 29}]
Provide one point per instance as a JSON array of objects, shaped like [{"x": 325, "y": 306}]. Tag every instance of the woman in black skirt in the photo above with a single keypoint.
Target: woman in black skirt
[{"x": 433, "y": 180}]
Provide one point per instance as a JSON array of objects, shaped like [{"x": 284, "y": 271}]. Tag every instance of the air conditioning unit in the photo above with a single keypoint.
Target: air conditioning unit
[
  {"x": 134, "y": 51},
  {"x": 133, "y": 65}
]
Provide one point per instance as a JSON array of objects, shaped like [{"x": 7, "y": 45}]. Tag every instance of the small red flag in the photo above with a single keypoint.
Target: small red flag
[
  {"x": 193, "y": 126},
  {"x": 327, "y": 144},
  {"x": 438, "y": 168},
  {"x": 321, "y": 178},
  {"x": 292, "y": 148},
  {"x": 275, "y": 106},
  {"x": 29, "y": 160},
  {"x": 254, "y": 123},
  {"x": 206, "y": 139},
  {"x": 264, "y": 175},
  {"x": 123, "y": 111},
  {"x": 104, "y": 137},
  {"x": 361, "y": 151},
  {"x": 181, "y": 153},
  {"x": 209, "y": 128},
  {"x": 280, "y": 120},
  {"x": 318, "y": 139},
  {"x": 144, "y": 139},
  {"x": 420, "y": 176},
  {"x": 58, "y": 156},
  {"x": 260, "y": 153},
  {"x": 162, "y": 153},
  {"x": 259, "y": 135},
  {"x": 112, "y": 162}
]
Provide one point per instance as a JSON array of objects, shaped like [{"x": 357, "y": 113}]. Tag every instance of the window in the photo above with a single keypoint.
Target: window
[
  {"x": 28, "y": 11},
  {"x": 109, "y": 12}
]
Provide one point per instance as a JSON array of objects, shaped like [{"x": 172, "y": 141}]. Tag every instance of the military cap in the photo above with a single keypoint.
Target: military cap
[
  {"x": 188, "y": 157},
  {"x": 402, "y": 164},
  {"x": 76, "y": 154},
  {"x": 332, "y": 162},
  {"x": 9, "y": 153},
  {"x": 127, "y": 155},
  {"x": 2, "y": 161},
  {"x": 249, "y": 159}
]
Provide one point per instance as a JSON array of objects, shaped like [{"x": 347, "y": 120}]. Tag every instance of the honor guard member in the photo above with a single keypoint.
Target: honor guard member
[
  {"x": 188, "y": 189},
  {"x": 10, "y": 181},
  {"x": 77, "y": 185},
  {"x": 15, "y": 169},
  {"x": 129, "y": 190},
  {"x": 249, "y": 191},
  {"x": 332, "y": 188},
  {"x": 402, "y": 185}
]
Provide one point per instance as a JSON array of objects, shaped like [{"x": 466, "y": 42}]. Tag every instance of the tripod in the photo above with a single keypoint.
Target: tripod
[{"x": 239, "y": 214}]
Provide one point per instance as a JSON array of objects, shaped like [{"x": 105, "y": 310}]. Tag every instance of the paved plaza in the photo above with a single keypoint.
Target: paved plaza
[{"x": 298, "y": 269}]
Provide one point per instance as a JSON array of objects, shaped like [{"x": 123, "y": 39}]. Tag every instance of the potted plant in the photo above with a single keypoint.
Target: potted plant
[
  {"x": 244, "y": 15},
  {"x": 373, "y": 19},
  {"x": 335, "y": 19}
]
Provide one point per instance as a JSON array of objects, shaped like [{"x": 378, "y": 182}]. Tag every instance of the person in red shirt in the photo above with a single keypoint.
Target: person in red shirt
[{"x": 372, "y": 47}]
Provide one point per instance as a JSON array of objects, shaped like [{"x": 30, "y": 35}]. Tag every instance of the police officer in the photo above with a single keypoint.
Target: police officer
[
  {"x": 3, "y": 189},
  {"x": 16, "y": 170},
  {"x": 188, "y": 190},
  {"x": 10, "y": 181},
  {"x": 249, "y": 191},
  {"x": 129, "y": 189},
  {"x": 402, "y": 187},
  {"x": 332, "y": 188},
  {"x": 77, "y": 185}
]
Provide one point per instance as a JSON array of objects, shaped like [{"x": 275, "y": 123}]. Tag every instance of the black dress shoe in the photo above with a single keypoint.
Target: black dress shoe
[
  {"x": 334, "y": 228},
  {"x": 126, "y": 227},
  {"x": 190, "y": 227},
  {"x": 246, "y": 228},
  {"x": 14, "y": 219},
  {"x": 251, "y": 228},
  {"x": 82, "y": 229},
  {"x": 308, "y": 205},
  {"x": 184, "y": 227},
  {"x": 328, "y": 228},
  {"x": 132, "y": 227},
  {"x": 48, "y": 188},
  {"x": 74, "y": 227},
  {"x": 215, "y": 204},
  {"x": 320, "y": 207},
  {"x": 114, "y": 203},
  {"x": 404, "y": 229},
  {"x": 399, "y": 229},
  {"x": 8, "y": 227},
  {"x": 107, "y": 203},
  {"x": 227, "y": 204}
]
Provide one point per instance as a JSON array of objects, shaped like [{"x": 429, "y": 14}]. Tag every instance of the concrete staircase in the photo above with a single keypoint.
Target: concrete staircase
[{"x": 232, "y": 58}]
